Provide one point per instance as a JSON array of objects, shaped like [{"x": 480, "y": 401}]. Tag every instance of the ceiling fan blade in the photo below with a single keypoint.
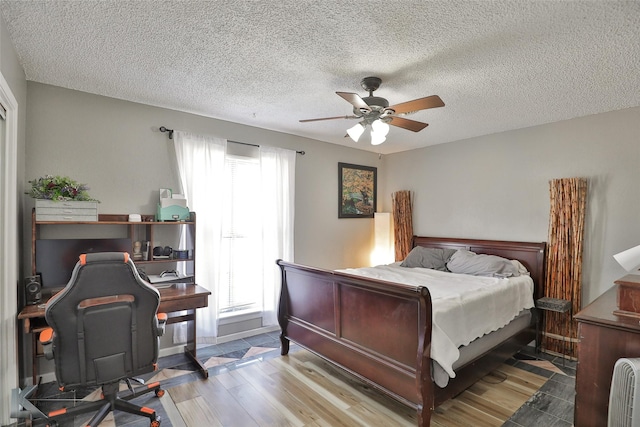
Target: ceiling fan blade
[
  {"x": 355, "y": 100},
  {"x": 329, "y": 118},
  {"x": 432, "y": 101},
  {"x": 411, "y": 125}
]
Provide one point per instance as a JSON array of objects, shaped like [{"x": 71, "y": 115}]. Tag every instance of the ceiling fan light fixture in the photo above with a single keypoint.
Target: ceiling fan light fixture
[
  {"x": 376, "y": 111},
  {"x": 377, "y": 138},
  {"x": 380, "y": 127},
  {"x": 355, "y": 132}
]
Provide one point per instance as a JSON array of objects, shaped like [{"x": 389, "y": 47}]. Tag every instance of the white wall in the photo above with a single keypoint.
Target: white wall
[
  {"x": 497, "y": 186},
  {"x": 115, "y": 147}
]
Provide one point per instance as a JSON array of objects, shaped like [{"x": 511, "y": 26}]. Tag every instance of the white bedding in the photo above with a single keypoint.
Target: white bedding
[{"x": 464, "y": 307}]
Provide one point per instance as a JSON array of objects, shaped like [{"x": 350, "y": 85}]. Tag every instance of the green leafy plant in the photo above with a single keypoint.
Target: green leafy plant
[{"x": 58, "y": 188}]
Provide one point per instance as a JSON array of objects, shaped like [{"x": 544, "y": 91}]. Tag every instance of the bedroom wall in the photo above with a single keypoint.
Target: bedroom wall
[
  {"x": 497, "y": 186},
  {"x": 116, "y": 148}
]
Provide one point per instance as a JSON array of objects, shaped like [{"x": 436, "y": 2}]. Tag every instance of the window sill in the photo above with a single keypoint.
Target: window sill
[{"x": 239, "y": 316}]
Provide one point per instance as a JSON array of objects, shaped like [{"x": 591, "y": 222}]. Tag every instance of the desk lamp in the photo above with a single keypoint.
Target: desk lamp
[
  {"x": 629, "y": 259},
  {"x": 629, "y": 286}
]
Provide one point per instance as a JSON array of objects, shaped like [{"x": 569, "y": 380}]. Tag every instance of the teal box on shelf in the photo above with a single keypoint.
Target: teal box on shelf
[{"x": 173, "y": 213}]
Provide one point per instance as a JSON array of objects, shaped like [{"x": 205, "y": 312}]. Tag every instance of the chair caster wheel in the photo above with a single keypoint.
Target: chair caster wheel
[
  {"x": 155, "y": 423},
  {"x": 160, "y": 392},
  {"x": 52, "y": 423}
]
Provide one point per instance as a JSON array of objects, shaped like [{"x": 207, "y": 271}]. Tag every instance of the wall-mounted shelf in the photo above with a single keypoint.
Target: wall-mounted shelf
[{"x": 157, "y": 233}]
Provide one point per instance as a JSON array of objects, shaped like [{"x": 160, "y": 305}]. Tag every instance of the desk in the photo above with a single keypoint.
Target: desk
[
  {"x": 603, "y": 338},
  {"x": 179, "y": 297}
]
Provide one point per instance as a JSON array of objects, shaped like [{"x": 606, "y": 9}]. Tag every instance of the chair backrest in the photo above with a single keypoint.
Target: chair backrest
[{"x": 104, "y": 322}]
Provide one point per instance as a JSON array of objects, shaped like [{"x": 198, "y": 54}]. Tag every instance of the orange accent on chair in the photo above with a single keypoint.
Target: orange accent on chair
[
  {"x": 46, "y": 335},
  {"x": 126, "y": 257},
  {"x": 83, "y": 259},
  {"x": 58, "y": 412},
  {"x": 162, "y": 316},
  {"x": 152, "y": 385},
  {"x": 147, "y": 410}
]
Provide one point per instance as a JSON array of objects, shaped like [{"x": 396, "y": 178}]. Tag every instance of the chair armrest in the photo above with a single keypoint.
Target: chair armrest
[
  {"x": 162, "y": 322},
  {"x": 46, "y": 339}
]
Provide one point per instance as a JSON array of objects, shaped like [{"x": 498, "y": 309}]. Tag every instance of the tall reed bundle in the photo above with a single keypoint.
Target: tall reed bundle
[
  {"x": 402, "y": 223},
  {"x": 564, "y": 261}
]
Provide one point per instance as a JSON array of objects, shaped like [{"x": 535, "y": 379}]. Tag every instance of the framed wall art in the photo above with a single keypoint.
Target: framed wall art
[{"x": 357, "y": 191}]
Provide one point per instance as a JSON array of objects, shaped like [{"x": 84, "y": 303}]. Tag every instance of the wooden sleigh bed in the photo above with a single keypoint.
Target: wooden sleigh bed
[{"x": 381, "y": 331}]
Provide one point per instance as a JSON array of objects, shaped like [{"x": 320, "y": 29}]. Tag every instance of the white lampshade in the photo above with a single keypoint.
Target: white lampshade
[
  {"x": 380, "y": 127},
  {"x": 355, "y": 132},
  {"x": 629, "y": 259},
  {"x": 383, "y": 251},
  {"x": 377, "y": 138}
]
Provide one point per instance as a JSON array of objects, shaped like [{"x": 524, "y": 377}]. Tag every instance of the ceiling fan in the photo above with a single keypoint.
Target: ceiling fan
[{"x": 375, "y": 111}]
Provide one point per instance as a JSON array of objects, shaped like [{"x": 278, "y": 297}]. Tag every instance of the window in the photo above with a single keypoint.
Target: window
[
  {"x": 241, "y": 284},
  {"x": 245, "y": 205}
]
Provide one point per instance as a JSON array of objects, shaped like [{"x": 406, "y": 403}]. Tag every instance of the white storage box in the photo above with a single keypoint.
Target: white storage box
[{"x": 70, "y": 210}]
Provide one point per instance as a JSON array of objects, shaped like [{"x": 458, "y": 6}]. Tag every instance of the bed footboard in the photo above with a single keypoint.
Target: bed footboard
[
  {"x": 384, "y": 337},
  {"x": 365, "y": 339}
]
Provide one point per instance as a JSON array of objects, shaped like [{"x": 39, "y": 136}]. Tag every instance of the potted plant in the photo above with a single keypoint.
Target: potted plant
[
  {"x": 51, "y": 187},
  {"x": 60, "y": 198}
]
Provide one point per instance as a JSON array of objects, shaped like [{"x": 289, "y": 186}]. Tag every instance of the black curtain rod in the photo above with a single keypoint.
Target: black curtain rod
[{"x": 164, "y": 129}]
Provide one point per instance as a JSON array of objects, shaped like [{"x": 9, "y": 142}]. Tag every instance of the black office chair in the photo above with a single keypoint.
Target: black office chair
[{"x": 104, "y": 329}]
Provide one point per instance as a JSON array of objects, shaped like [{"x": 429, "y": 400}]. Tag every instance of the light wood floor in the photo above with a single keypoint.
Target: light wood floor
[{"x": 303, "y": 390}]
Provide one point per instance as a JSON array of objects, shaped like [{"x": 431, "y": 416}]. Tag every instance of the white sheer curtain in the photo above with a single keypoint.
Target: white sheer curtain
[
  {"x": 201, "y": 164},
  {"x": 201, "y": 167},
  {"x": 277, "y": 167}
]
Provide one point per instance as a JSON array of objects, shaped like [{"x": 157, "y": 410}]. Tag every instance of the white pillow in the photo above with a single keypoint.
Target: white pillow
[
  {"x": 467, "y": 262},
  {"x": 521, "y": 268}
]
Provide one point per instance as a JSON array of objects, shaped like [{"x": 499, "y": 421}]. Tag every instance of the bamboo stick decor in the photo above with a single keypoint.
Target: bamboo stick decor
[
  {"x": 402, "y": 223},
  {"x": 564, "y": 261}
]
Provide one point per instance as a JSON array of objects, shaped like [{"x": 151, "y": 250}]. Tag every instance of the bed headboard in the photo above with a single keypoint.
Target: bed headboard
[{"x": 531, "y": 254}]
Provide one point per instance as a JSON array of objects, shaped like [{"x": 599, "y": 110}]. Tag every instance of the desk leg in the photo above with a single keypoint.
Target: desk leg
[
  {"x": 190, "y": 348},
  {"x": 34, "y": 359}
]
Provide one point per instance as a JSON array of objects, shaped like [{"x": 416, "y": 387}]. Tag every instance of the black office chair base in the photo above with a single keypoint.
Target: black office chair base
[{"x": 111, "y": 401}]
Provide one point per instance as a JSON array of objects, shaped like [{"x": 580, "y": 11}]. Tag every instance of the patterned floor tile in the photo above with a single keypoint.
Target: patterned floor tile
[
  {"x": 168, "y": 373},
  {"x": 544, "y": 364},
  {"x": 216, "y": 361},
  {"x": 254, "y": 351}
]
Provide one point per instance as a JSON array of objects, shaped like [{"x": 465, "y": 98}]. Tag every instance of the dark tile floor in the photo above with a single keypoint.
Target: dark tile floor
[{"x": 551, "y": 406}]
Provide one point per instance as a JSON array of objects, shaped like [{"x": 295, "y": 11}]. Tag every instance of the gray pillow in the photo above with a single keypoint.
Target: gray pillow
[
  {"x": 434, "y": 258},
  {"x": 466, "y": 262}
]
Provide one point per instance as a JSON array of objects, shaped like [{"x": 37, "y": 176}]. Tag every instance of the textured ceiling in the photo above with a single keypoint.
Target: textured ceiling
[{"x": 497, "y": 65}]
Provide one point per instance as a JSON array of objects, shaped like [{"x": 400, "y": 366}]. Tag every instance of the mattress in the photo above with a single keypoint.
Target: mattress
[{"x": 464, "y": 307}]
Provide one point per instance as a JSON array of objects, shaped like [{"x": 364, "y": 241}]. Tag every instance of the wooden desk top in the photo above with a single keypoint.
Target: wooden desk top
[
  {"x": 600, "y": 312},
  {"x": 177, "y": 297}
]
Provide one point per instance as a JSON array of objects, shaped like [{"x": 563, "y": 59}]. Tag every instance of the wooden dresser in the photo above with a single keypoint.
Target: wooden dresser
[{"x": 603, "y": 339}]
